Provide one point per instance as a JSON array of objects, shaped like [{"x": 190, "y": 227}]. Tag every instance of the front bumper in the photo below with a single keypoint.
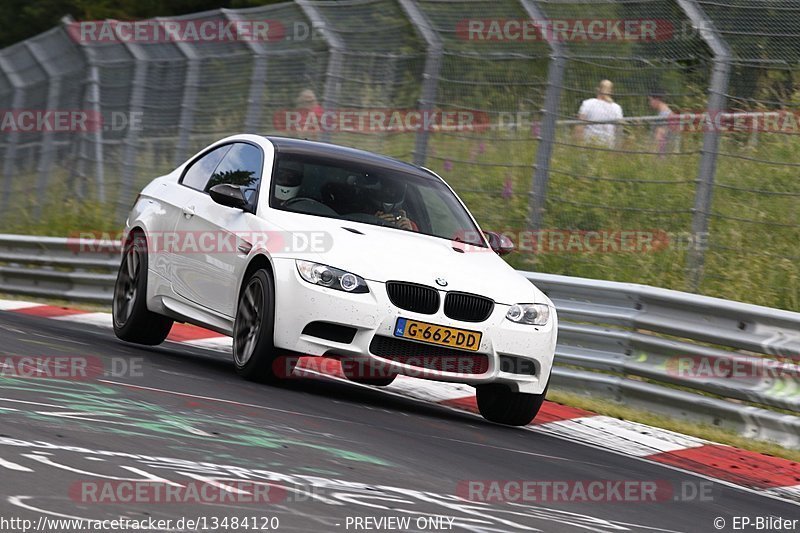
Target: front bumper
[{"x": 299, "y": 303}]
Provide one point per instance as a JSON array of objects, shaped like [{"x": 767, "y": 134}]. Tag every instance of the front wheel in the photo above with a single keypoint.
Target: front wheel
[
  {"x": 498, "y": 403},
  {"x": 133, "y": 322},
  {"x": 254, "y": 353}
]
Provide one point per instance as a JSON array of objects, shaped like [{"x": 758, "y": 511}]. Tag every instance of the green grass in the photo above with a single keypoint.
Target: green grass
[{"x": 752, "y": 250}]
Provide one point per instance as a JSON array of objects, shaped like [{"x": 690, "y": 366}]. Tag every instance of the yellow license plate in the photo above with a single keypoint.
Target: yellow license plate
[{"x": 441, "y": 335}]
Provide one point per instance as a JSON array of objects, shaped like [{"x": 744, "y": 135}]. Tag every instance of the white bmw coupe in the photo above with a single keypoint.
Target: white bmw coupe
[{"x": 299, "y": 248}]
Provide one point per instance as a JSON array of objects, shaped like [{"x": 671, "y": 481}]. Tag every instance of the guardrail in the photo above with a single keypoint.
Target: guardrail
[
  {"x": 53, "y": 267},
  {"x": 683, "y": 355}
]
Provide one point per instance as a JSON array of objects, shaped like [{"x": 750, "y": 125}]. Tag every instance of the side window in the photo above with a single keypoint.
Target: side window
[
  {"x": 198, "y": 173},
  {"x": 240, "y": 166}
]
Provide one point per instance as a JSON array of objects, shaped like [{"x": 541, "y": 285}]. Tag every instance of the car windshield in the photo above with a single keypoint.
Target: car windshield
[{"x": 371, "y": 195}]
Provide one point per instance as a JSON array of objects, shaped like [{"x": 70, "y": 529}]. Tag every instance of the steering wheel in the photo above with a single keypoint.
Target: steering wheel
[
  {"x": 312, "y": 206},
  {"x": 298, "y": 199}
]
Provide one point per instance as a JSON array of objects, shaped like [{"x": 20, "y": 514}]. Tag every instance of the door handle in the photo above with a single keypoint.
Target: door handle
[{"x": 188, "y": 212}]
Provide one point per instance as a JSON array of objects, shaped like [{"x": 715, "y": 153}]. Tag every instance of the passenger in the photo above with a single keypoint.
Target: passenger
[{"x": 391, "y": 197}]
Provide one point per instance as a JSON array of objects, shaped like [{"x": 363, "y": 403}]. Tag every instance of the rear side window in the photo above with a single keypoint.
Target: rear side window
[
  {"x": 200, "y": 171},
  {"x": 241, "y": 166}
]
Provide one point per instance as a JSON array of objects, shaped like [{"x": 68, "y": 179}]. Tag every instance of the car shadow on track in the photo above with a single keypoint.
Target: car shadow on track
[
  {"x": 214, "y": 365},
  {"x": 330, "y": 388}
]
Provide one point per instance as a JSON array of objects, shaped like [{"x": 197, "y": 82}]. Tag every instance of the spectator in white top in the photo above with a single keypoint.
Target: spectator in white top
[{"x": 604, "y": 110}]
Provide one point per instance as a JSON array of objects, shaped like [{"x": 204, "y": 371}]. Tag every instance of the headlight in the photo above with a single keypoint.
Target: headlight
[
  {"x": 533, "y": 314},
  {"x": 333, "y": 278}
]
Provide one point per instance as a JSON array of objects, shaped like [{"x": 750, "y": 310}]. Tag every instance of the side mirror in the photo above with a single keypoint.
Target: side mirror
[
  {"x": 228, "y": 195},
  {"x": 501, "y": 244}
]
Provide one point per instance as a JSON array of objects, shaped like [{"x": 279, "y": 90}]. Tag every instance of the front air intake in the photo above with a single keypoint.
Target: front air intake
[{"x": 429, "y": 356}]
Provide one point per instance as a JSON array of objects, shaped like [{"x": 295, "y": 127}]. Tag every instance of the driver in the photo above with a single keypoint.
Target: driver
[
  {"x": 391, "y": 197},
  {"x": 288, "y": 178}
]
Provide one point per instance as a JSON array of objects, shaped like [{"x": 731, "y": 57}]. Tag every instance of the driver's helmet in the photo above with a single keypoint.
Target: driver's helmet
[
  {"x": 391, "y": 195},
  {"x": 288, "y": 178}
]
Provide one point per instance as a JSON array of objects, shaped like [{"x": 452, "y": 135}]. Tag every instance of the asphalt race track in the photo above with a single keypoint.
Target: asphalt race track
[{"x": 325, "y": 452}]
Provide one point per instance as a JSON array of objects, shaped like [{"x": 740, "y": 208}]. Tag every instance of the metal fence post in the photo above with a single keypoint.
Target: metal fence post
[
  {"x": 547, "y": 135},
  {"x": 189, "y": 100},
  {"x": 99, "y": 170},
  {"x": 13, "y": 137},
  {"x": 255, "y": 95},
  {"x": 430, "y": 76},
  {"x": 718, "y": 88},
  {"x": 336, "y": 49},
  {"x": 46, "y": 156},
  {"x": 92, "y": 102},
  {"x": 131, "y": 139}
]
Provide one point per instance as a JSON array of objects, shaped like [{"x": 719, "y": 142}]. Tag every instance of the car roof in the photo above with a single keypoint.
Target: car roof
[{"x": 303, "y": 147}]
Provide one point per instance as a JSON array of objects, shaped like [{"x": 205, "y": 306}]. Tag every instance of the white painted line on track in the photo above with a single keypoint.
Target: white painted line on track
[
  {"x": 93, "y": 319},
  {"x": 14, "y": 466},
  {"x": 220, "y": 344},
  {"x": 425, "y": 389},
  {"x": 628, "y": 437},
  {"x": 14, "y": 305}
]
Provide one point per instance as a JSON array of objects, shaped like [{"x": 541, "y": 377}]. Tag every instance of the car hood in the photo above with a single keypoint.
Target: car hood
[{"x": 383, "y": 254}]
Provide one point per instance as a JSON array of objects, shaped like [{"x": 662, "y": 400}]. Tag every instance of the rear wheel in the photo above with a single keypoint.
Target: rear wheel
[
  {"x": 498, "y": 403},
  {"x": 254, "y": 353},
  {"x": 133, "y": 322}
]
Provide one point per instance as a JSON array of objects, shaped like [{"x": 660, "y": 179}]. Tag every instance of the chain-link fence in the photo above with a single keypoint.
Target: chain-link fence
[{"x": 693, "y": 188}]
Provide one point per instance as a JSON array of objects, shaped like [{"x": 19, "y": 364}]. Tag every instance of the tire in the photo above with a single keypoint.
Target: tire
[
  {"x": 133, "y": 322},
  {"x": 254, "y": 353},
  {"x": 498, "y": 403}
]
